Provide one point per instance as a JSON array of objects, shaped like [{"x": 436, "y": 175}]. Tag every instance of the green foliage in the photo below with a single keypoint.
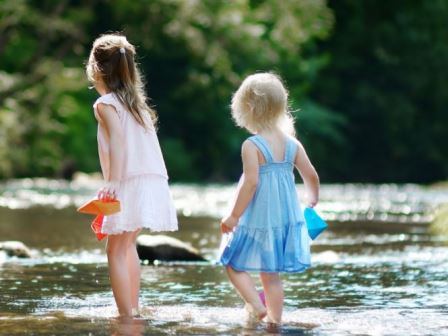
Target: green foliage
[
  {"x": 368, "y": 89},
  {"x": 194, "y": 54},
  {"x": 387, "y": 75},
  {"x": 319, "y": 129},
  {"x": 39, "y": 43}
]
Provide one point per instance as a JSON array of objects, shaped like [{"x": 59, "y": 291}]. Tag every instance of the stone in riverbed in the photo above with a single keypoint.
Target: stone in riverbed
[
  {"x": 165, "y": 248},
  {"x": 15, "y": 249}
]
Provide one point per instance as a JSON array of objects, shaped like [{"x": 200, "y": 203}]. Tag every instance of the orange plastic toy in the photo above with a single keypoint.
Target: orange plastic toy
[{"x": 100, "y": 208}]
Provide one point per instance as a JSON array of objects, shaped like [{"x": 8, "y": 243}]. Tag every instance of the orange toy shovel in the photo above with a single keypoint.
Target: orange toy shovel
[{"x": 100, "y": 208}]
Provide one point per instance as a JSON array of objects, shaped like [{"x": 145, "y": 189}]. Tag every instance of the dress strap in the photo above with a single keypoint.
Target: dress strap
[
  {"x": 263, "y": 147},
  {"x": 290, "y": 151}
]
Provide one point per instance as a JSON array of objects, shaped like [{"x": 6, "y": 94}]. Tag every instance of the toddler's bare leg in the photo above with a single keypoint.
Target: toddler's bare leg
[
  {"x": 245, "y": 286},
  {"x": 273, "y": 289},
  {"x": 117, "y": 246},
  {"x": 133, "y": 263}
]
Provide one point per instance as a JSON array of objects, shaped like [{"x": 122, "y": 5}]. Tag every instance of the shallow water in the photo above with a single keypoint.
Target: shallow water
[{"x": 379, "y": 270}]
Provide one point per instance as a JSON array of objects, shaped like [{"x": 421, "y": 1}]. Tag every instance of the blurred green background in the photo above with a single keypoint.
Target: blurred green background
[{"x": 367, "y": 79}]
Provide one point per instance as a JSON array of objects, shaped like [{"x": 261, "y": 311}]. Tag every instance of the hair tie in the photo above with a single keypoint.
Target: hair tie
[{"x": 122, "y": 50}]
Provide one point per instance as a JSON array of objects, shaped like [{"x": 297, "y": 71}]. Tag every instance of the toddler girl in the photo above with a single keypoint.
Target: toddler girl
[
  {"x": 131, "y": 162},
  {"x": 269, "y": 234}
]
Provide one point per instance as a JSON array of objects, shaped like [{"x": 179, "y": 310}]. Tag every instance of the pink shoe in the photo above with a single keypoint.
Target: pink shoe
[{"x": 262, "y": 297}]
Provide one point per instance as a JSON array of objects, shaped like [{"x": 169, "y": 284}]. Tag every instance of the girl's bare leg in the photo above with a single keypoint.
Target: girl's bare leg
[
  {"x": 273, "y": 289},
  {"x": 134, "y": 270},
  {"x": 245, "y": 286},
  {"x": 117, "y": 246}
]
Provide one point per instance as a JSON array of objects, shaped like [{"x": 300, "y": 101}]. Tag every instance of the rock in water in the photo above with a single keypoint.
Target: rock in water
[
  {"x": 164, "y": 248},
  {"x": 15, "y": 249}
]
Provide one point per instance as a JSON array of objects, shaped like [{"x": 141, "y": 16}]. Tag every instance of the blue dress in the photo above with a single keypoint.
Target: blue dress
[{"x": 271, "y": 235}]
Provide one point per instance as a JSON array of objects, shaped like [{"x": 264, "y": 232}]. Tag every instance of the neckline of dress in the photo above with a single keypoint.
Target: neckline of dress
[{"x": 271, "y": 153}]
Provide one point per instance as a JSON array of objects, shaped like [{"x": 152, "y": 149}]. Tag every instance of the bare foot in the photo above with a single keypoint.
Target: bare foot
[
  {"x": 272, "y": 327},
  {"x": 126, "y": 325},
  {"x": 258, "y": 313},
  {"x": 124, "y": 319}
]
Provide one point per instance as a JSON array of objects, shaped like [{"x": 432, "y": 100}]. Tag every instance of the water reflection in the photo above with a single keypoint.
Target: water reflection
[
  {"x": 385, "y": 275},
  {"x": 353, "y": 321}
]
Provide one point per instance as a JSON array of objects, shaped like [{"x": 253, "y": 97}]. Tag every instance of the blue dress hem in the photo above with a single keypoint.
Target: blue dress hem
[{"x": 247, "y": 269}]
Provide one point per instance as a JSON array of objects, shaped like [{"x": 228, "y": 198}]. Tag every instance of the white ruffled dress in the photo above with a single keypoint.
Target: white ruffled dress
[{"x": 143, "y": 190}]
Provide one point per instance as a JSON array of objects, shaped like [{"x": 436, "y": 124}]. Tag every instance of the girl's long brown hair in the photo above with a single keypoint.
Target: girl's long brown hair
[{"x": 112, "y": 59}]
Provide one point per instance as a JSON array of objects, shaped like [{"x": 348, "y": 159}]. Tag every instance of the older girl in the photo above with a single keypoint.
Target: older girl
[{"x": 131, "y": 162}]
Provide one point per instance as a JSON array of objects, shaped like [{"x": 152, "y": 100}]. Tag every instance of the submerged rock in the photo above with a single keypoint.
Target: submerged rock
[
  {"x": 165, "y": 248},
  {"x": 15, "y": 249}
]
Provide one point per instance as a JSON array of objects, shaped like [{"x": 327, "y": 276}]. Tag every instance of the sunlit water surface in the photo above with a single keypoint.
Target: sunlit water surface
[{"x": 379, "y": 270}]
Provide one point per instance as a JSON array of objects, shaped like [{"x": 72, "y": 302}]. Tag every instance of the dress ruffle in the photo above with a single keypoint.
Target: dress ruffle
[
  {"x": 279, "y": 249},
  {"x": 146, "y": 202}
]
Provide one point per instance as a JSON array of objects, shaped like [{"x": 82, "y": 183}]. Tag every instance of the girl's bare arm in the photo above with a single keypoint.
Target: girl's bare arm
[
  {"x": 308, "y": 174},
  {"x": 111, "y": 123},
  {"x": 246, "y": 188}
]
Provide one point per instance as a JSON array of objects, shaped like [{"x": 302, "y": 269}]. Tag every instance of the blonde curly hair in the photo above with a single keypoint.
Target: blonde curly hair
[{"x": 261, "y": 102}]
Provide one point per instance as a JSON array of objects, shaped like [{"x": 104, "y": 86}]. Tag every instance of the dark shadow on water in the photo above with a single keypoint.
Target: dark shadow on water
[{"x": 272, "y": 329}]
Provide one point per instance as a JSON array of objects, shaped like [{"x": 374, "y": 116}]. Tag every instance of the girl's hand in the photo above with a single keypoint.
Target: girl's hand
[
  {"x": 312, "y": 201},
  {"x": 228, "y": 223},
  {"x": 309, "y": 176},
  {"x": 108, "y": 192}
]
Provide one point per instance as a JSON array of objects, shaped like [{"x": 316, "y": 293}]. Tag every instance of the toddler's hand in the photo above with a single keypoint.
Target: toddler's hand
[
  {"x": 311, "y": 202},
  {"x": 108, "y": 192},
  {"x": 228, "y": 223}
]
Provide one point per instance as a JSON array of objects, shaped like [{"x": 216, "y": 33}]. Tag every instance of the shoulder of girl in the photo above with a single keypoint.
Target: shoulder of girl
[
  {"x": 248, "y": 148},
  {"x": 104, "y": 110},
  {"x": 247, "y": 144},
  {"x": 295, "y": 140},
  {"x": 105, "y": 107}
]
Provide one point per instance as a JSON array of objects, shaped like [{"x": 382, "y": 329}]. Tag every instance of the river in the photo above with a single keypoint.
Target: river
[{"x": 380, "y": 269}]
